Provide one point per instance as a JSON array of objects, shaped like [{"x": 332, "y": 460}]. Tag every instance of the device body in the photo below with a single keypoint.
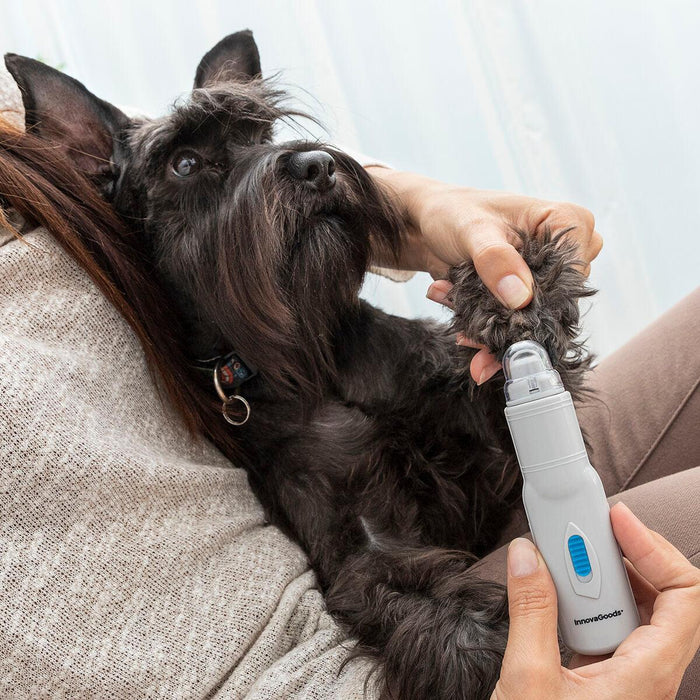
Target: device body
[{"x": 566, "y": 506}]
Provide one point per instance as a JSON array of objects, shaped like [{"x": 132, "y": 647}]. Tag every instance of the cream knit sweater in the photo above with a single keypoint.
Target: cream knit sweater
[{"x": 134, "y": 561}]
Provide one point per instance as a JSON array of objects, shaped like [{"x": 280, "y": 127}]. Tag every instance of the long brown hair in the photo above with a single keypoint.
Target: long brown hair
[{"x": 46, "y": 189}]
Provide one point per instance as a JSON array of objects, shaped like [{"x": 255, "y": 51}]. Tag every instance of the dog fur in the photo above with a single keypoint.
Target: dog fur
[{"x": 369, "y": 443}]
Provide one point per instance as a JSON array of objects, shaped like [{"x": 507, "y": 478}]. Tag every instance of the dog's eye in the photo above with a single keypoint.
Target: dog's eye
[{"x": 186, "y": 164}]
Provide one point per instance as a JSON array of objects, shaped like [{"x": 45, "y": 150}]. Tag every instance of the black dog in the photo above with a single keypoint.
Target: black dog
[{"x": 368, "y": 442}]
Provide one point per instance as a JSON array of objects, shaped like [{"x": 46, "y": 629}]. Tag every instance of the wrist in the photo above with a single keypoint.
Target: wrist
[
  {"x": 411, "y": 194},
  {"x": 410, "y": 191}
]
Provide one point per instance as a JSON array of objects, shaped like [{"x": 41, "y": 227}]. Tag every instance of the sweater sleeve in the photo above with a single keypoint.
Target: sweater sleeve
[{"x": 136, "y": 561}]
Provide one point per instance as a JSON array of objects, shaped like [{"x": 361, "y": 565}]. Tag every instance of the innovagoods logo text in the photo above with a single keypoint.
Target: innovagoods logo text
[{"x": 598, "y": 618}]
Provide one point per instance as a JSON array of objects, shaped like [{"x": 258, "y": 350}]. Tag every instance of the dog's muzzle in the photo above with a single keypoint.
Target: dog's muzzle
[{"x": 316, "y": 169}]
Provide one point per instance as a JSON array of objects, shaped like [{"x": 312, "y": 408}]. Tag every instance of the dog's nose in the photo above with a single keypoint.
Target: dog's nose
[{"x": 315, "y": 168}]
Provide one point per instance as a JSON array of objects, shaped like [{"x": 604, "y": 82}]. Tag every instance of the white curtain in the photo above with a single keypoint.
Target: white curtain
[{"x": 592, "y": 102}]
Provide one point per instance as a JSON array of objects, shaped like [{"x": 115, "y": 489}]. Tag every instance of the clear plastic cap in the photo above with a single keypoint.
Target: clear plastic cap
[{"x": 529, "y": 373}]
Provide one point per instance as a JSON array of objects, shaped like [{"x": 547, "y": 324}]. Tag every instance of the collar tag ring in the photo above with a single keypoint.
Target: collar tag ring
[
  {"x": 226, "y": 405},
  {"x": 228, "y": 401}
]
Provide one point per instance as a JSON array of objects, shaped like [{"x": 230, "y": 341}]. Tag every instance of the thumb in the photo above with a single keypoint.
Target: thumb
[
  {"x": 501, "y": 267},
  {"x": 533, "y": 647}
]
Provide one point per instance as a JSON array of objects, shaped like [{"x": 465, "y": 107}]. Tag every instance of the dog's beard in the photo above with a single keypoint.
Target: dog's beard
[{"x": 279, "y": 267}]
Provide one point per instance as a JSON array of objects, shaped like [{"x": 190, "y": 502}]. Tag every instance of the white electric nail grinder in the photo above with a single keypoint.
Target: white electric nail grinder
[{"x": 566, "y": 506}]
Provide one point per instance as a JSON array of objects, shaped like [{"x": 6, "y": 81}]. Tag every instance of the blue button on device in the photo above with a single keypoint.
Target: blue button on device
[{"x": 579, "y": 555}]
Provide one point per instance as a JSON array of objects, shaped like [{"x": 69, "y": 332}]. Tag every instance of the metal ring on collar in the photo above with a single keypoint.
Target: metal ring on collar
[
  {"x": 229, "y": 400},
  {"x": 226, "y": 405}
]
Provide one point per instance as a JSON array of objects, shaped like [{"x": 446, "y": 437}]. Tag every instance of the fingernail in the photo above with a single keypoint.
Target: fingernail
[
  {"x": 522, "y": 558},
  {"x": 434, "y": 293},
  {"x": 487, "y": 373},
  {"x": 513, "y": 291},
  {"x": 620, "y": 504}
]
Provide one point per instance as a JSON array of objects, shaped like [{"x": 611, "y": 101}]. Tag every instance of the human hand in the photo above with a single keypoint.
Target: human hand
[
  {"x": 447, "y": 225},
  {"x": 648, "y": 665}
]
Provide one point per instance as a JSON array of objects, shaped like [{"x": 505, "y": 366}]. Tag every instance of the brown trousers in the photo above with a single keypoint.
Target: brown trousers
[{"x": 643, "y": 425}]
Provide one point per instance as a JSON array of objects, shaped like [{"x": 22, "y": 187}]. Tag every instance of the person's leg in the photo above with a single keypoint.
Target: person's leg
[
  {"x": 642, "y": 420},
  {"x": 669, "y": 506}
]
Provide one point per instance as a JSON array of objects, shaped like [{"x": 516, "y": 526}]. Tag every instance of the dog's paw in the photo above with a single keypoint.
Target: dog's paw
[{"x": 552, "y": 318}]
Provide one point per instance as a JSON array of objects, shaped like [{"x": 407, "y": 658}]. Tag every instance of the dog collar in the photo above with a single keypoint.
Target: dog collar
[
  {"x": 232, "y": 371},
  {"x": 229, "y": 372}
]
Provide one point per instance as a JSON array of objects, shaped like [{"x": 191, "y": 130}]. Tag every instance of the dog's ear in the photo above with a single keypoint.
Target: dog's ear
[
  {"x": 235, "y": 57},
  {"x": 61, "y": 110}
]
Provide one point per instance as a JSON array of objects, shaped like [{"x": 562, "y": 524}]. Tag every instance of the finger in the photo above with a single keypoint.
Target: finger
[
  {"x": 595, "y": 246},
  {"x": 590, "y": 253},
  {"x": 483, "y": 366},
  {"x": 557, "y": 216},
  {"x": 644, "y": 593},
  {"x": 580, "y": 224},
  {"x": 500, "y": 266},
  {"x": 532, "y": 602},
  {"x": 468, "y": 342},
  {"x": 656, "y": 559},
  {"x": 438, "y": 292}
]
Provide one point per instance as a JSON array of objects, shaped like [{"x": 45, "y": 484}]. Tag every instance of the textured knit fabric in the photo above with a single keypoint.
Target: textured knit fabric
[{"x": 134, "y": 561}]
